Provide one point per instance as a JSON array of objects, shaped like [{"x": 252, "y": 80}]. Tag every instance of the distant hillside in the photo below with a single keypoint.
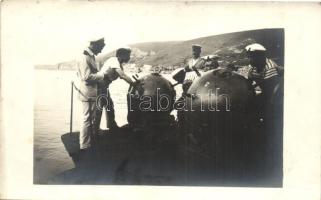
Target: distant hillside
[
  {"x": 69, "y": 65},
  {"x": 229, "y": 47}
]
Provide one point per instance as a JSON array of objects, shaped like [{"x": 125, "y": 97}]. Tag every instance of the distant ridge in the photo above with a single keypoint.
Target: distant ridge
[{"x": 229, "y": 46}]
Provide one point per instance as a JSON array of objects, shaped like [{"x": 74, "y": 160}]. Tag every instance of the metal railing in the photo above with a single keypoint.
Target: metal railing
[{"x": 72, "y": 102}]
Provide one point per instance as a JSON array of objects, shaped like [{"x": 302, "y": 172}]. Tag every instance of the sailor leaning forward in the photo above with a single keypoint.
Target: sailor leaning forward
[{"x": 112, "y": 69}]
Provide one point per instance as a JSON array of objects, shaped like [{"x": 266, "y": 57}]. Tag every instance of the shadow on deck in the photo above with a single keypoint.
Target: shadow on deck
[{"x": 140, "y": 158}]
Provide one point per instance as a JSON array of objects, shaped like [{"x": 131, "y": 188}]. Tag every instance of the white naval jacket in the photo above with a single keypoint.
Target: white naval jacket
[{"x": 89, "y": 77}]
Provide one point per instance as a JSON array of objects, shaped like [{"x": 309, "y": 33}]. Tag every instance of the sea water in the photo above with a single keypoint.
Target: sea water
[{"x": 52, "y": 102}]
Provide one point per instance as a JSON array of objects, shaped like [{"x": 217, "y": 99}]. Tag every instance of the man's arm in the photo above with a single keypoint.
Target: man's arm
[
  {"x": 200, "y": 64},
  {"x": 124, "y": 76},
  {"x": 187, "y": 68},
  {"x": 85, "y": 72}
]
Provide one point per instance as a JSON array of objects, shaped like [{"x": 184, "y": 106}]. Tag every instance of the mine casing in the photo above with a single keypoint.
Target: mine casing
[
  {"x": 150, "y": 102},
  {"x": 216, "y": 118}
]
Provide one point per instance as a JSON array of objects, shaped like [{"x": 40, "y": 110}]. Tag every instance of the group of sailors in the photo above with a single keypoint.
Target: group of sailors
[{"x": 94, "y": 81}]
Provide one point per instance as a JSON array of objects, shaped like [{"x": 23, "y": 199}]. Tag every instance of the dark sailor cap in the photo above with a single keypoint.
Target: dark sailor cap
[
  {"x": 196, "y": 46},
  {"x": 98, "y": 41}
]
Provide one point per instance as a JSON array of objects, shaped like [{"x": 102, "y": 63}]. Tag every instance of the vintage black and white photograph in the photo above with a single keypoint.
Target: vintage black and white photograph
[
  {"x": 159, "y": 100},
  {"x": 155, "y": 95}
]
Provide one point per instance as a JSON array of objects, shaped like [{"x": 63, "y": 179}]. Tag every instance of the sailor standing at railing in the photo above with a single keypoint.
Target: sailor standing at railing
[{"x": 89, "y": 78}]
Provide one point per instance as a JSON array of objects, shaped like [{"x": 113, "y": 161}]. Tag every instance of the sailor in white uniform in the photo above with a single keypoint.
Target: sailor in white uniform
[{"x": 194, "y": 64}]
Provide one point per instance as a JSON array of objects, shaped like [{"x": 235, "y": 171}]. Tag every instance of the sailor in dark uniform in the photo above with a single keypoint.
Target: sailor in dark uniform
[
  {"x": 263, "y": 73},
  {"x": 266, "y": 74},
  {"x": 186, "y": 76}
]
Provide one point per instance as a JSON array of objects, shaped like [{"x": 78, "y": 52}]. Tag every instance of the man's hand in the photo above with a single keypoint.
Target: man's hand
[
  {"x": 254, "y": 75},
  {"x": 135, "y": 83},
  {"x": 255, "y": 78}
]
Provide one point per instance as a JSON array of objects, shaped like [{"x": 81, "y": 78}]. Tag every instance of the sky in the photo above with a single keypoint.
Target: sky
[{"x": 56, "y": 31}]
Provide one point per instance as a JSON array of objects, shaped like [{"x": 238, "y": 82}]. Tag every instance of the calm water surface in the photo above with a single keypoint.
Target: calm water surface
[{"x": 52, "y": 119}]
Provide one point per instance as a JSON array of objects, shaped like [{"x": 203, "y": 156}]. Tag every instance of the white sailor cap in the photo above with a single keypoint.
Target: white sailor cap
[
  {"x": 214, "y": 57},
  {"x": 255, "y": 47}
]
